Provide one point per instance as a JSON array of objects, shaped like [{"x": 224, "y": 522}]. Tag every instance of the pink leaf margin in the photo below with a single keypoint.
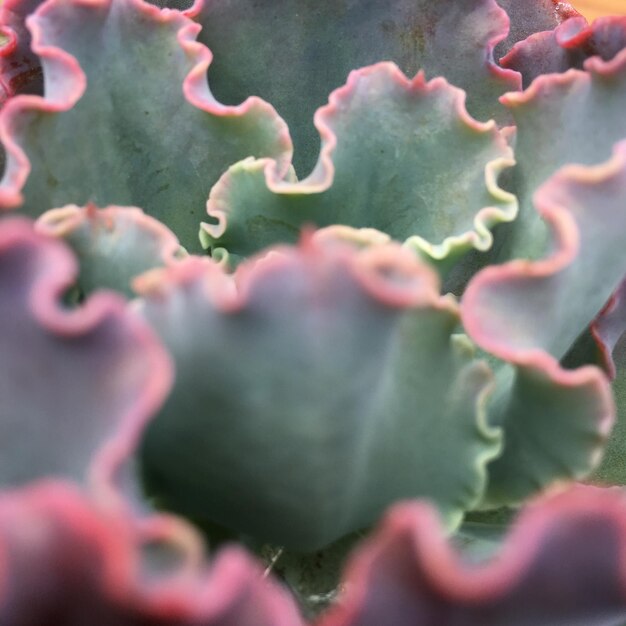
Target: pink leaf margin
[
  {"x": 322, "y": 176},
  {"x": 103, "y": 480},
  {"x": 452, "y": 581},
  {"x": 609, "y": 327},
  {"x": 62, "y": 222},
  {"x": 391, "y": 274},
  {"x": 65, "y": 82},
  {"x": 234, "y": 583},
  {"x": 595, "y": 68},
  {"x": 569, "y": 44},
  {"x": 58, "y": 275},
  {"x": 494, "y": 338}
]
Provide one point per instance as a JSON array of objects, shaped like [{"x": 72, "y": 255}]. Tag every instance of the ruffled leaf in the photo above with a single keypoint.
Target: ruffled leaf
[
  {"x": 259, "y": 50},
  {"x": 566, "y": 47},
  {"x": 576, "y": 117},
  {"x": 532, "y": 16},
  {"x": 550, "y": 134},
  {"x": 77, "y": 386},
  {"x": 584, "y": 207},
  {"x": 64, "y": 561},
  {"x": 537, "y": 402},
  {"x": 318, "y": 385},
  {"x": 115, "y": 72},
  {"x": 112, "y": 245},
  {"x": 561, "y": 565},
  {"x": 401, "y": 156},
  {"x": 20, "y": 70}
]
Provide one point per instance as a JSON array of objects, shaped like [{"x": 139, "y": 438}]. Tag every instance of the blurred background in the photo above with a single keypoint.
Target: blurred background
[{"x": 595, "y": 8}]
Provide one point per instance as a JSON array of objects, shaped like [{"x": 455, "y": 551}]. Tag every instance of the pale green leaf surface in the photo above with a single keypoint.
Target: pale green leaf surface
[
  {"x": 293, "y": 53},
  {"x": 112, "y": 245},
  {"x": 571, "y": 118},
  {"x": 132, "y": 137},
  {"x": 529, "y": 313},
  {"x": 324, "y": 387},
  {"x": 584, "y": 207},
  {"x": 399, "y": 156},
  {"x": 555, "y": 425}
]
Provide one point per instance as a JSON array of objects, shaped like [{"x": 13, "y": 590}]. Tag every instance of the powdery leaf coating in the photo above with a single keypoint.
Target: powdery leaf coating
[
  {"x": 568, "y": 46},
  {"x": 562, "y": 565},
  {"x": 127, "y": 83},
  {"x": 113, "y": 245},
  {"x": 86, "y": 380},
  {"x": 259, "y": 50},
  {"x": 398, "y": 155},
  {"x": 65, "y": 562},
  {"x": 314, "y": 388}
]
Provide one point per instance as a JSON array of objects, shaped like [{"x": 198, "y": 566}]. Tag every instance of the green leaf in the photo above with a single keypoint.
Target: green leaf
[
  {"x": 314, "y": 388},
  {"x": 401, "y": 156},
  {"x": 529, "y": 313},
  {"x": 584, "y": 208},
  {"x": 293, "y": 53},
  {"x": 562, "y": 119},
  {"x": 555, "y": 424},
  {"x": 127, "y": 117},
  {"x": 112, "y": 245}
]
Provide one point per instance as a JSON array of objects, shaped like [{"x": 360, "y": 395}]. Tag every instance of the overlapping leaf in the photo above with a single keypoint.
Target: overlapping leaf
[
  {"x": 585, "y": 208},
  {"x": 77, "y": 386},
  {"x": 402, "y": 156},
  {"x": 550, "y": 134},
  {"x": 576, "y": 117},
  {"x": 20, "y": 70},
  {"x": 65, "y": 562},
  {"x": 294, "y": 53},
  {"x": 114, "y": 73},
  {"x": 562, "y": 565},
  {"x": 532, "y": 16},
  {"x": 113, "y": 245},
  {"x": 567, "y": 46},
  {"x": 314, "y": 388}
]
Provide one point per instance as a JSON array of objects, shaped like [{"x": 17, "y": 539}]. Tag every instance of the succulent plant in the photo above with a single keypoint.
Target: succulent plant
[{"x": 377, "y": 279}]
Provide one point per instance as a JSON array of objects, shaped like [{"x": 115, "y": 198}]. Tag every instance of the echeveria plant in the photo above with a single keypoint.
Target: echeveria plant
[{"x": 379, "y": 264}]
